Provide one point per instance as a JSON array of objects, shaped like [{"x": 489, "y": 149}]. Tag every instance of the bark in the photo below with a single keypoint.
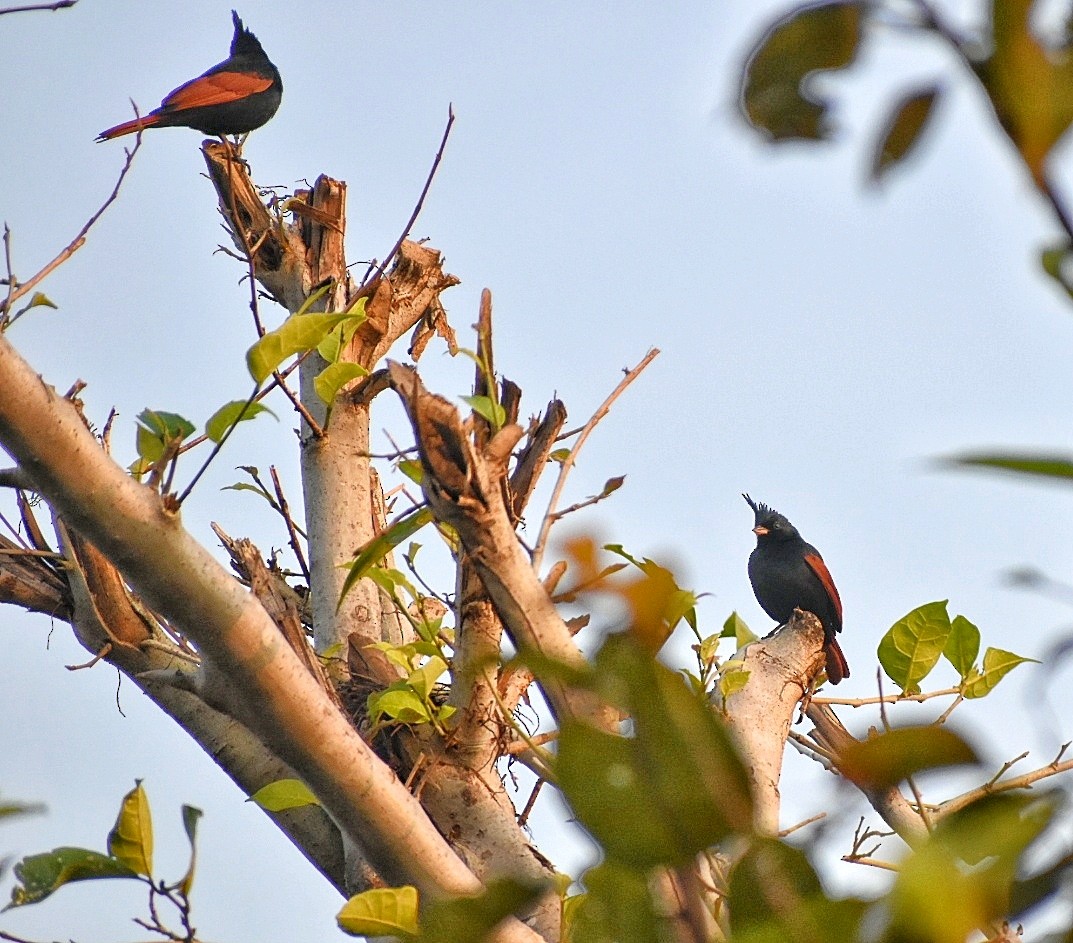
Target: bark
[
  {"x": 272, "y": 692},
  {"x": 781, "y": 669},
  {"x": 464, "y": 489},
  {"x": 234, "y": 666},
  {"x": 889, "y": 803},
  {"x": 458, "y": 783}
]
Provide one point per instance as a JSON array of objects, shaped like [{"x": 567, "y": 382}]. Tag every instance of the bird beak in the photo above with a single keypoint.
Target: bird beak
[{"x": 760, "y": 530}]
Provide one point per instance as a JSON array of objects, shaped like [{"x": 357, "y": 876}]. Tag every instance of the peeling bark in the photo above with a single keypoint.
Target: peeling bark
[{"x": 464, "y": 490}]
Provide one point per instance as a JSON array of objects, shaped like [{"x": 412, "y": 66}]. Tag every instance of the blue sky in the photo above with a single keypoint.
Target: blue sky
[{"x": 823, "y": 343}]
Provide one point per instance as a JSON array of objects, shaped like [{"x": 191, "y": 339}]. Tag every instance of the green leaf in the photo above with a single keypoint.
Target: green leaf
[
  {"x": 735, "y": 628},
  {"x": 131, "y": 838},
  {"x": 775, "y": 896},
  {"x": 612, "y": 485},
  {"x": 9, "y": 809},
  {"x": 412, "y": 469},
  {"x": 424, "y": 679},
  {"x": 902, "y": 130},
  {"x": 380, "y": 546},
  {"x": 296, "y": 335},
  {"x": 39, "y": 300},
  {"x": 646, "y": 813},
  {"x": 391, "y": 581},
  {"x": 191, "y": 816},
  {"x": 338, "y": 339},
  {"x": 334, "y": 377},
  {"x": 472, "y": 919},
  {"x": 708, "y": 648},
  {"x": 399, "y": 703},
  {"x": 41, "y": 875},
  {"x": 405, "y": 656},
  {"x": 681, "y": 604},
  {"x": 157, "y": 429},
  {"x": 887, "y": 758},
  {"x": 1045, "y": 466},
  {"x": 657, "y": 603},
  {"x": 284, "y": 794},
  {"x": 962, "y": 645},
  {"x": 246, "y": 486},
  {"x": 732, "y": 679},
  {"x": 1056, "y": 262},
  {"x": 1030, "y": 85},
  {"x": 164, "y": 424},
  {"x": 231, "y": 414},
  {"x": 961, "y": 877},
  {"x": 617, "y": 908},
  {"x": 777, "y": 94},
  {"x": 914, "y": 644},
  {"x": 599, "y": 774},
  {"x": 997, "y": 664},
  {"x": 769, "y": 888},
  {"x": 488, "y": 409},
  {"x": 1033, "y": 890},
  {"x": 383, "y": 911}
]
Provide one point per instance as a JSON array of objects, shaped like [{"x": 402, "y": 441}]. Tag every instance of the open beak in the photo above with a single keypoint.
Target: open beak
[{"x": 760, "y": 530}]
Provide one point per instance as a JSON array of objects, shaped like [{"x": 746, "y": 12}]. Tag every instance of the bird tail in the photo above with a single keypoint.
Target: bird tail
[
  {"x": 129, "y": 127},
  {"x": 837, "y": 666}
]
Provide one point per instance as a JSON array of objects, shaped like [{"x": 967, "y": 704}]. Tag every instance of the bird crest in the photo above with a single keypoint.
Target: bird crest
[
  {"x": 244, "y": 42},
  {"x": 760, "y": 509}
]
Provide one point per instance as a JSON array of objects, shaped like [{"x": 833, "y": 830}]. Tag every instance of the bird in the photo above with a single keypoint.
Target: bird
[
  {"x": 232, "y": 98},
  {"x": 787, "y": 573}
]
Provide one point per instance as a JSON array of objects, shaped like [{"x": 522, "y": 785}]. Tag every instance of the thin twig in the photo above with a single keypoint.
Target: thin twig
[
  {"x": 19, "y": 552},
  {"x": 15, "y": 293},
  {"x": 1005, "y": 768},
  {"x": 571, "y": 458},
  {"x": 812, "y": 750},
  {"x": 886, "y": 698},
  {"x": 523, "y": 816},
  {"x": 15, "y": 532},
  {"x": 315, "y": 428},
  {"x": 420, "y": 200},
  {"x": 871, "y": 863},
  {"x": 35, "y": 7},
  {"x": 991, "y": 788},
  {"x": 588, "y": 502},
  {"x": 945, "y": 715},
  {"x": 103, "y": 653},
  {"x": 922, "y": 808},
  {"x": 537, "y": 739},
  {"x": 169, "y": 650},
  {"x": 292, "y": 533},
  {"x": 1060, "y": 209},
  {"x": 11, "y": 280},
  {"x": 793, "y": 828}
]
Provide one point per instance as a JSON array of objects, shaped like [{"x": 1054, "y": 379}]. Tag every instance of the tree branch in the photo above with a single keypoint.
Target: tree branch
[
  {"x": 759, "y": 715},
  {"x": 464, "y": 489},
  {"x": 277, "y": 698}
]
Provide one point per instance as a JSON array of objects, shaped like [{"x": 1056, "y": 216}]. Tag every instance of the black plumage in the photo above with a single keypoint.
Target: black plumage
[
  {"x": 788, "y": 573},
  {"x": 234, "y": 97}
]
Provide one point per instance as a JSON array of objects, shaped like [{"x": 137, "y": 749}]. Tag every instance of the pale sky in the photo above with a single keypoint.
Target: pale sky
[{"x": 822, "y": 344}]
